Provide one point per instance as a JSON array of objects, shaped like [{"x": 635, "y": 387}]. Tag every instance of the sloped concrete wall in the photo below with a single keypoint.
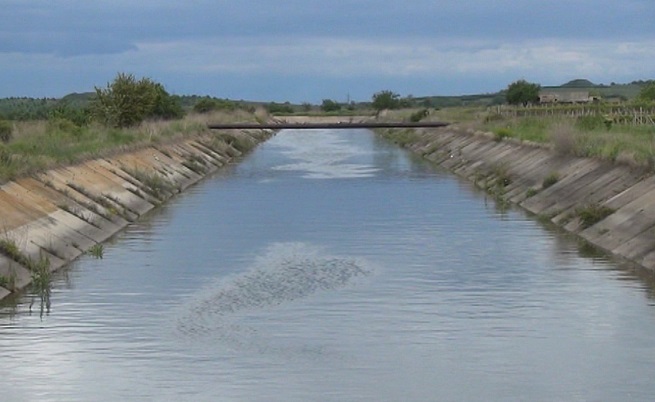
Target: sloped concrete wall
[
  {"x": 61, "y": 213},
  {"x": 623, "y": 196}
]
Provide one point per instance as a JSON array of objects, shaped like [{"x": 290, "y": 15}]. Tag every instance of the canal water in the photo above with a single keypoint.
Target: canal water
[{"x": 332, "y": 266}]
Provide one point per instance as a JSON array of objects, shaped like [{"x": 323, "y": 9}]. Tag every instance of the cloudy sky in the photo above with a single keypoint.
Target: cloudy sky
[{"x": 310, "y": 50}]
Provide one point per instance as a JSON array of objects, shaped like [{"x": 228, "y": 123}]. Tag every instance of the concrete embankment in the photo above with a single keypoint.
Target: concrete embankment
[
  {"x": 611, "y": 206},
  {"x": 59, "y": 214}
]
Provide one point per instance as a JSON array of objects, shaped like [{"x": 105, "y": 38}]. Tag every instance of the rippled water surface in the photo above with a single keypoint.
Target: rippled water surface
[{"x": 331, "y": 266}]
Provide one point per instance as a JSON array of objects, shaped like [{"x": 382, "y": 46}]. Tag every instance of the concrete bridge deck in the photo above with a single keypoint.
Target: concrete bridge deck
[{"x": 337, "y": 125}]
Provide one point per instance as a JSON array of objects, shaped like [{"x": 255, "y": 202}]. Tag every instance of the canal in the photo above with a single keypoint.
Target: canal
[{"x": 333, "y": 266}]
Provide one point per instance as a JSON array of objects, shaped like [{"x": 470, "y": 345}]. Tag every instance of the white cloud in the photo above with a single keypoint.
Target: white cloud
[
  {"x": 447, "y": 64},
  {"x": 342, "y": 57}
]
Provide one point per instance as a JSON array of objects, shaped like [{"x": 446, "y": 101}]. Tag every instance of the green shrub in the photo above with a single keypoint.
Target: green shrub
[
  {"x": 59, "y": 125},
  {"x": 126, "y": 102},
  {"x": 330, "y": 105},
  {"x": 6, "y": 131},
  {"x": 418, "y": 116},
  {"x": 550, "y": 180},
  {"x": 206, "y": 105},
  {"x": 501, "y": 133},
  {"x": 97, "y": 251},
  {"x": 590, "y": 123},
  {"x": 11, "y": 250},
  {"x": 283, "y": 108},
  {"x": 592, "y": 214}
]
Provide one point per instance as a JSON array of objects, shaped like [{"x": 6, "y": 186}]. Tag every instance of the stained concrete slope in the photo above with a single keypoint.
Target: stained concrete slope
[{"x": 59, "y": 214}]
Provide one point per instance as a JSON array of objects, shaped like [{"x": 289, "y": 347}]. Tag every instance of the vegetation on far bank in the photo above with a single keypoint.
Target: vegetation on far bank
[
  {"x": 37, "y": 134},
  {"x": 126, "y": 114},
  {"x": 622, "y": 133}
]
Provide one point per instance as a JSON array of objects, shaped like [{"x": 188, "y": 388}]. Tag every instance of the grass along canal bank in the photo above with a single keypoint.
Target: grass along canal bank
[
  {"x": 608, "y": 204},
  {"x": 50, "y": 218}
]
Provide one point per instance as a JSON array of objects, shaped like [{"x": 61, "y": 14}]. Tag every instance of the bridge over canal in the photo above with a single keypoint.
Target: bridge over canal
[{"x": 323, "y": 125}]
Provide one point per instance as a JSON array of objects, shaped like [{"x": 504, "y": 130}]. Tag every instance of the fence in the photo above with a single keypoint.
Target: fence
[{"x": 619, "y": 114}]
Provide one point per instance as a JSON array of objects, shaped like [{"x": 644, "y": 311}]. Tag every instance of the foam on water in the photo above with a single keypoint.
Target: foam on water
[{"x": 283, "y": 273}]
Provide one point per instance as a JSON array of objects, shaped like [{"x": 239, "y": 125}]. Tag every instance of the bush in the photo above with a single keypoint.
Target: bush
[
  {"x": 279, "y": 108},
  {"x": 592, "y": 214},
  {"x": 563, "y": 138},
  {"x": 418, "y": 116},
  {"x": 550, "y": 180},
  {"x": 329, "y": 105},
  {"x": 6, "y": 131},
  {"x": 501, "y": 133},
  {"x": 647, "y": 93},
  {"x": 79, "y": 116},
  {"x": 522, "y": 92},
  {"x": 61, "y": 125},
  {"x": 386, "y": 100},
  {"x": 590, "y": 123},
  {"x": 126, "y": 102}
]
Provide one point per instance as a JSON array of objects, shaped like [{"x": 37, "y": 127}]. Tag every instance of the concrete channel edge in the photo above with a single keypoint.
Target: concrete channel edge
[
  {"x": 61, "y": 213},
  {"x": 555, "y": 187}
]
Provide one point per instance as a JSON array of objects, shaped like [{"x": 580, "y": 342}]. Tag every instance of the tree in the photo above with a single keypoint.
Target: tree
[
  {"x": 329, "y": 105},
  {"x": 127, "y": 102},
  {"x": 522, "y": 92},
  {"x": 386, "y": 100},
  {"x": 647, "y": 92},
  {"x": 205, "y": 105}
]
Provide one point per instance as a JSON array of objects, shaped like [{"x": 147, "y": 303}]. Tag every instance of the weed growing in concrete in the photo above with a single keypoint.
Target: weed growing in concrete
[
  {"x": 41, "y": 275},
  {"x": 8, "y": 282},
  {"x": 550, "y": 180},
  {"x": 502, "y": 133},
  {"x": 196, "y": 164},
  {"x": 97, "y": 251},
  {"x": 153, "y": 184},
  {"x": 9, "y": 248},
  {"x": 503, "y": 178},
  {"x": 531, "y": 192},
  {"x": 593, "y": 213},
  {"x": 41, "y": 283}
]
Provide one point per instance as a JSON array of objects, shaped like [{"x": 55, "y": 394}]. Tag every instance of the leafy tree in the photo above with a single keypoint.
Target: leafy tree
[
  {"x": 647, "y": 92},
  {"x": 127, "y": 102},
  {"x": 205, "y": 105},
  {"x": 79, "y": 116},
  {"x": 166, "y": 106},
  {"x": 329, "y": 105},
  {"x": 283, "y": 108},
  {"x": 522, "y": 92},
  {"x": 386, "y": 100}
]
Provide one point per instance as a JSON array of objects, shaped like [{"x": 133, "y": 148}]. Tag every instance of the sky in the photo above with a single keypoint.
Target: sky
[{"x": 306, "y": 51}]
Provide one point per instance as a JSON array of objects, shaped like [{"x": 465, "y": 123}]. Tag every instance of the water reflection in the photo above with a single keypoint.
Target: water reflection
[{"x": 358, "y": 274}]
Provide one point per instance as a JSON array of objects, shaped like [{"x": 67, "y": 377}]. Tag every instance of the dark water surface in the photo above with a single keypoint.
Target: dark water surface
[{"x": 330, "y": 266}]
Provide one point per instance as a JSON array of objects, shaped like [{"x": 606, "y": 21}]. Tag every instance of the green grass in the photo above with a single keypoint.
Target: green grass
[
  {"x": 153, "y": 184},
  {"x": 550, "y": 180},
  {"x": 10, "y": 249},
  {"x": 39, "y": 145},
  {"x": 591, "y": 214},
  {"x": 582, "y": 137},
  {"x": 97, "y": 251},
  {"x": 8, "y": 282}
]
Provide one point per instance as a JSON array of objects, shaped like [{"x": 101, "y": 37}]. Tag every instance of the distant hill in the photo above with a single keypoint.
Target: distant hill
[
  {"x": 40, "y": 108},
  {"x": 579, "y": 83},
  {"x": 612, "y": 91}
]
